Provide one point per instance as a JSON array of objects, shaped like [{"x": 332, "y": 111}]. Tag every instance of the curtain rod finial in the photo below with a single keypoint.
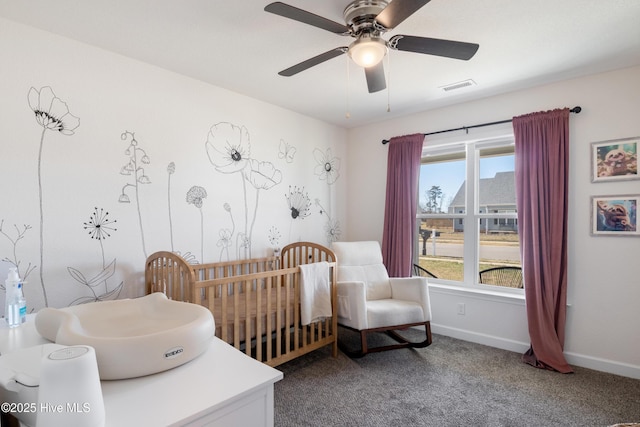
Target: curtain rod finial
[{"x": 576, "y": 109}]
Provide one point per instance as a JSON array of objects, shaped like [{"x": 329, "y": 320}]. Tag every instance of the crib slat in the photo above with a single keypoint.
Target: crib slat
[
  {"x": 269, "y": 327},
  {"x": 259, "y": 325},
  {"x": 236, "y": 315},
  {"x": 278, "y": 321}
]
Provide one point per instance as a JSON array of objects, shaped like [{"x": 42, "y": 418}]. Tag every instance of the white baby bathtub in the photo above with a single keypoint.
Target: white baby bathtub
[{"x": 132, "y": 337}]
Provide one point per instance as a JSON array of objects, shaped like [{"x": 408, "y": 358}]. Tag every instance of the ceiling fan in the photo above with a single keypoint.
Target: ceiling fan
[{"x": 366, "y": 21}]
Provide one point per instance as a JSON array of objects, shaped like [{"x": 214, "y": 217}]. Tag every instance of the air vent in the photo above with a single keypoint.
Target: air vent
[{"x": 459, "y": 85}]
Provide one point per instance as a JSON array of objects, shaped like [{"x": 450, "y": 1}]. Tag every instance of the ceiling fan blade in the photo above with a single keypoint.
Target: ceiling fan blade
[
  {"x": 397, "y": 11},
  {"x": 313, "y": 61},
  {"x": 375, "y": 78},
  {"x": 438, "y": 47},
  {"x": 305, "y": 17}
]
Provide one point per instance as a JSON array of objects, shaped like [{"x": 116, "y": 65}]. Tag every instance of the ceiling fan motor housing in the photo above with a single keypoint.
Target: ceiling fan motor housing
[{"x": 360, "y": 16}]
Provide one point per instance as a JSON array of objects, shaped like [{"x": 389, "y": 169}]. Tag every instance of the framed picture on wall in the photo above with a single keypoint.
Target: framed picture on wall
[
  {"x": 614, "y": 160},
  {"x": 615, "y": 215}
]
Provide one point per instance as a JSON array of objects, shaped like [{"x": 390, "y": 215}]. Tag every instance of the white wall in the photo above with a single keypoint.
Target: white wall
[
  {"x": 604, "y": 272},
  {"x": 171, "y": 117}
]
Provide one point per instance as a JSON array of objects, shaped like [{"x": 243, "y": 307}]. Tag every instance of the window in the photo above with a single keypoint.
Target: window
[{"x": 467, "y": 229}]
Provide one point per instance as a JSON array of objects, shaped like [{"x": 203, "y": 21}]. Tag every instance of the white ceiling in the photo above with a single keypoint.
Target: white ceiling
[{"x": 238, "y": 46}]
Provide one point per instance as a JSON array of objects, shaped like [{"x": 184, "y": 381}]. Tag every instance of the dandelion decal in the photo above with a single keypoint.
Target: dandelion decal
[
  {"x": 327, "y": 167},
  {"x": 52, "y": 114},
  {"x": 195, "y": 196},
  {"x": 99, "y": 227},
  {"x": 286, "y": 152},
  {"x": 20, "y": 233},
  {"x": 171, "y": 169},
  {"x": 136, "y": 158},
  {"x": 274, "y": 238},
  {"x": 299, "y": 203},
  {"x": 331, "y": 228}
]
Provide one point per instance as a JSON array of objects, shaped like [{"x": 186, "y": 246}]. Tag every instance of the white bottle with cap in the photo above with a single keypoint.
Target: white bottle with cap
[{"x": 15, "y": 308}]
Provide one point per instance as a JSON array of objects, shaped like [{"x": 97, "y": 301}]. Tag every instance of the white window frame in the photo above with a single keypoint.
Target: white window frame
[{"x": 473, "y": 214}]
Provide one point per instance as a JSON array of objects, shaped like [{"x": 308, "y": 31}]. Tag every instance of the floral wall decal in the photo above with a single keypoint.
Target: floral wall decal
[
  {"x": 228, "y": 147},
  {"x": 195, "y": 196},
  {"x": 52, "y": 114},
  {"x": 188, "y": 256},
  {"x": 225, "y": 235},
  {"x": 286, "y": 151},
  {"x": 331, "y": 227},
  {"x": 73, "y": 162},
  {"x": 327, "y": 167},
  {"x": 20, "y": 233},
  {"x": 99, "y": 228},
  {"x": 274, "y": 238},
  {"x": 137, "y": 157},
  {"x": 263, "y": 176},
  {"x": 224, "y": 242},
  {"x": 299, "y": 205}
]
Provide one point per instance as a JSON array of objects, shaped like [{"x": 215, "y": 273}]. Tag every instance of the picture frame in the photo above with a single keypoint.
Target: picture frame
[
  {"x": 614, "y": 160},
  {"x": 615, "y": 215}
]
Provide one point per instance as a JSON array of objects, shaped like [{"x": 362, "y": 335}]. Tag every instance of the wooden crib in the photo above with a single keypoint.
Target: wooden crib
[{"x": 255, "y": 302}]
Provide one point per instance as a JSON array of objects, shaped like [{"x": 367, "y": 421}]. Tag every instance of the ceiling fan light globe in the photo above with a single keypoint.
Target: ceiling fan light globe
[{"x": 367, "y": 52}]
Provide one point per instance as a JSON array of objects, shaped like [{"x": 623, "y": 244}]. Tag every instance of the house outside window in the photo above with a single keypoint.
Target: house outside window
[{"x": 468, "y": 229}]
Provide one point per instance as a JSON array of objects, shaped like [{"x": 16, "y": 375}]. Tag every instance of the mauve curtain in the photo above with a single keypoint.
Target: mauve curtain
[
  {"x": 403, "y": 172},
  {"x": 541, "y": 170}
]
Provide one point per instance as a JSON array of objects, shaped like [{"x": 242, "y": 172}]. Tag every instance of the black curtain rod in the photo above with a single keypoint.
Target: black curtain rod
[{"x": 465, "y": 128}]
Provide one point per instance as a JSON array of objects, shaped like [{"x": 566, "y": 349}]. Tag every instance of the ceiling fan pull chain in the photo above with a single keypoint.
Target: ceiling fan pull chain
[
  {"x": 388, "y": 82},
  {"x": 348, "y": 114}
]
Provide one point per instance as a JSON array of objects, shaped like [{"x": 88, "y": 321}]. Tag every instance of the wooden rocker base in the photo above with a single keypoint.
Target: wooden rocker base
[{"x": 390, "y": 331}]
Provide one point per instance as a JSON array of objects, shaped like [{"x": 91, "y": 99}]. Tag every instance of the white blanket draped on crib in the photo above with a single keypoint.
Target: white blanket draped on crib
[{"x": 315, "y": 293}]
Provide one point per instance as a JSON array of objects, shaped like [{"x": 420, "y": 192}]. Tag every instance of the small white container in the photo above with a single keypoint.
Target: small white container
[{"x": 70, "y": 393}]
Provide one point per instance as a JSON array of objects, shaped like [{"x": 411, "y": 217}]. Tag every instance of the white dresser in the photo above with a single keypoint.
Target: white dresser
[{"x": 222, "y": 387}]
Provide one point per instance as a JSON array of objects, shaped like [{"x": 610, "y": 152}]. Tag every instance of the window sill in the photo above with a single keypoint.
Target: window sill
[{"x": 512, "y": 296}]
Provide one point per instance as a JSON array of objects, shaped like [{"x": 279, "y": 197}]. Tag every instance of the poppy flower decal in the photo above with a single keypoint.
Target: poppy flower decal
[
  {"x": 228, "y": 147},
  {"x": 51, "y": 112}
]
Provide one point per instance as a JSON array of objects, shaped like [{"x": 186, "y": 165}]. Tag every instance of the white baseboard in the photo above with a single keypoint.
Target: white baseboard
[
  {"x": 589, "y": 362},
  {"x": 478, "y": 338},
  {"x": 603, "y": 365}
]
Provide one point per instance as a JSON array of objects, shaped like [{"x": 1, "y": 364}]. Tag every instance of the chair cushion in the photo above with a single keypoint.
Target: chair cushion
[
  {"x": 373, "y": 276},
  {"x": 390, "y": 312},
  {"x": 362, "y": 262}
]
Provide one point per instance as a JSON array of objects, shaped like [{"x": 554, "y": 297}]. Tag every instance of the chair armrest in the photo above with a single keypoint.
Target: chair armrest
[
  {"x": 352, "y": 304},
  {"x": 412, "y": 289}
]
